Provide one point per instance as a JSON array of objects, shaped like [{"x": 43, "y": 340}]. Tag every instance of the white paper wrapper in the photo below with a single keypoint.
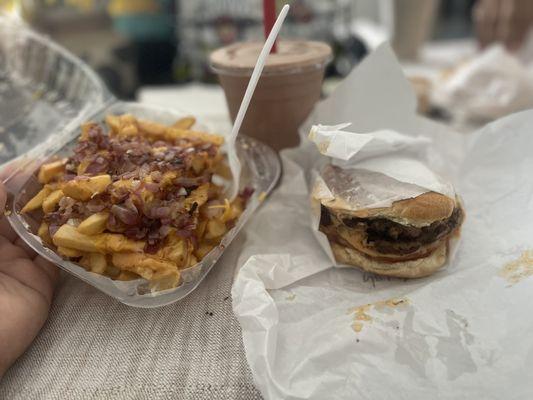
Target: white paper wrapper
[
  {"x": 464, "y": 332},
  {"x": 493, "y": 84}
]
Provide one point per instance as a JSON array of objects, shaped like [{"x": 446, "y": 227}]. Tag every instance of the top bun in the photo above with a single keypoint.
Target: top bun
[{"x": 419, "y": 211}]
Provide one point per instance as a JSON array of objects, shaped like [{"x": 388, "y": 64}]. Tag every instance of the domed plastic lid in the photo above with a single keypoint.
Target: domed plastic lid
[{"x": 240, "y": 58}]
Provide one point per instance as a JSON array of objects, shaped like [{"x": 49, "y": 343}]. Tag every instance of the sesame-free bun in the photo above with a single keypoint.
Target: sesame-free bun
[
  {"x": 404, "y": 269},
  {"x": 418, "y": 211}
]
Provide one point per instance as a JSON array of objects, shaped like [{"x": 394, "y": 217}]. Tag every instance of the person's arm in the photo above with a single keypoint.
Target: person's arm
[
  {"x": 26, "y": 288},
  {"x": 505, "y": 21}
]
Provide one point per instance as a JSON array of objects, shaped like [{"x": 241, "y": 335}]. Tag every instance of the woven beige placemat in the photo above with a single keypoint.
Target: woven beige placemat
[{"x": 93, "y": 347}]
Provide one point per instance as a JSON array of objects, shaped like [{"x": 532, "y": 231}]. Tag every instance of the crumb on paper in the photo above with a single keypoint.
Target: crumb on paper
[
  {"x": 361, "y": 314},
  {"x": 7, "y": 213},
  {"x": 391, "y": 303},
  {"x": 290, "y": 296},
  {"x": 262, "y": 196},
  {"x": 357, "y": 326},
  {"x": 517, "y": 270}
]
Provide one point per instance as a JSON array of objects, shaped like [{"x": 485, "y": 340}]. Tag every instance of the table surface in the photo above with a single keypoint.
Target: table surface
[{"x": 93, "y": 347}]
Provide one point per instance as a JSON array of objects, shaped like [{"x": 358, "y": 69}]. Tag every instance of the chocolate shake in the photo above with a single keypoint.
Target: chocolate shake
[{"x": 288, "y": 88}]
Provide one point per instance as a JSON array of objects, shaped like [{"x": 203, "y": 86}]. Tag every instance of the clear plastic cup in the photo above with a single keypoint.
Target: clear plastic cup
[{"x": 287, "y": 91}]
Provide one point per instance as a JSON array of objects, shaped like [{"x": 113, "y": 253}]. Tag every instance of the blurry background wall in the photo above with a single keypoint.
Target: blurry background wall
[{"x": 132, "y": 43}]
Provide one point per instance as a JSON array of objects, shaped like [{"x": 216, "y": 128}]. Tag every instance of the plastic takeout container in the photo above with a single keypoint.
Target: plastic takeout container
[{"x": 261, "y": 170}]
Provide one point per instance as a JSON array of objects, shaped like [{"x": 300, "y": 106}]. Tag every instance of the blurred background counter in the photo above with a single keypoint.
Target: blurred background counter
[{"x": 134, "y": 43}]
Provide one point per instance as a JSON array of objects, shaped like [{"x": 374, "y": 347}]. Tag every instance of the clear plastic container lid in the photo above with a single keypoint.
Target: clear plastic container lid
[
  {"x": 43, "y": 88},
  {"x": 50, "y": 127}
]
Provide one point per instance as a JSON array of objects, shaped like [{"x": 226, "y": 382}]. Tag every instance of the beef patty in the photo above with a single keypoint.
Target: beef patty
[{"x": 389, "y": 237}]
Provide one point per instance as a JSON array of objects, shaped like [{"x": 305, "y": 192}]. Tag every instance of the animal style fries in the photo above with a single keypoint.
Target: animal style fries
[{"x": 137, "y": 201}]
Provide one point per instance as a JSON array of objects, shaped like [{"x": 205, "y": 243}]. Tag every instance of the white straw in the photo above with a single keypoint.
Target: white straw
[{"x": 234, "y": 163}]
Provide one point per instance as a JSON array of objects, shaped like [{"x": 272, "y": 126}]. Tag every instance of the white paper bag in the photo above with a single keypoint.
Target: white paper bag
[{"x": 493, "y": 84}]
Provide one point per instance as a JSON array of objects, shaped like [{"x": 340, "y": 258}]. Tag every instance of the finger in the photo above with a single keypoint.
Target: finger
[
  {"x": 50, "y": 269},
  {"x": 30, "y": 275},
  {"x": 514, "y": 24},
  {"x": 514, "y": 38},
  {"x": 24, "y": 246},
  {"x": 485, "y": 17},
  {"x": 9, "y": 251},
  {"x": 7, "y": 231}
]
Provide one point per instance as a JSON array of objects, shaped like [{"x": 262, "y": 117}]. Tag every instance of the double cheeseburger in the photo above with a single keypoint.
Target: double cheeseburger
[{"x": 409, "y": 239}]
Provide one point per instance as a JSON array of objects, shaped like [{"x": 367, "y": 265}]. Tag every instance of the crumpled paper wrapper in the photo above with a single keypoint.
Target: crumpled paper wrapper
[
  {"x": 311, "y": 331},
  {"x": 375, "y": 170},
  {"x": 493, "y": 84}
]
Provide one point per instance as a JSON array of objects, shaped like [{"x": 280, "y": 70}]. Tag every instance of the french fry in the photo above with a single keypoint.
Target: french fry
[
  {"x": 223, "y": 170},
  {"x": 153, "y": 129},
  {"x": 203, "y": 249},
  {"x": 94, "y": 262},
  {"x": 215, "y": 229},
  {"x": 124, "y": 183},
  {"x": 123, "y": 125},
  {"x": 233, "y": 210},
  {"x": 144, "y": 265},
  {"x": 184, "y": 123},
  {"x": 192, "y": 261},
  {"x": 127, "y": 119},
  {"x": 173, "y": 134},
  {"x": 69, "y": 236},
  {"x": 113, "y": 242},
  {"x": 168, "y": 177},
  {"x": 52, "y": 200},
  {"x": 49, "y": 171},
  {"x": 44, "y": 233},
  {"x": 113, "y": 122},
  {"x": 85, "y": 189},
  {"x": 165, "y": 280},
  {"x": 129, "y": 130},
  {"x": 199, "y": 163},
  {"x": 94, "y": 224},
  {"x": 175, "y": 250},
  {"x": 37, "y": 200},
  {"x": 66, "y": 252},
  {"x": 198, "y": 196}
]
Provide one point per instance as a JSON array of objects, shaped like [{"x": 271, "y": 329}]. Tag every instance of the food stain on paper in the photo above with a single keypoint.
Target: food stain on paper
[
  {"x": 519, "y": 269},
  {"x": 361, "y": 315},
  {"x": 291, "y": 296}
]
